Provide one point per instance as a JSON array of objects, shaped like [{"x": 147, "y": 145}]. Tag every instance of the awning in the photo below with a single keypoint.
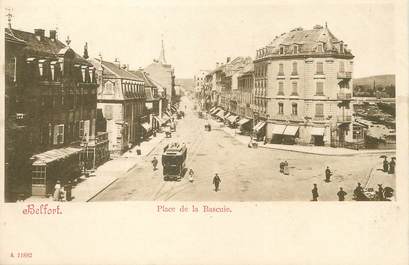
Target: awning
[
  {"x": 173, "y": 108},
  {"x": 317, "y": 131},
  {"x": 243, "y": 121},
  {"x": 215, "y": 111},
  {"x": 212, "y": 109},
  {"x": 232, "y": 118},
  {"x": 278, "y": 129},
  {"x": 259, "y": 125},
  {"x": 227, "y": 115},
  {"x": 291, "y": 130},
  {"x": 220, "y": 114},
  {"x": 146, "y": 126},
  {"x": 50, "y": 156}
]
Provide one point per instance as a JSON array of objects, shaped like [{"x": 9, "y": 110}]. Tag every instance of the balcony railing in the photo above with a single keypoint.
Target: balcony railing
[
  {"x": 344, "y": 75},
  {"x": 344, "y": 96},
  {"x": 344, "y": 118}
]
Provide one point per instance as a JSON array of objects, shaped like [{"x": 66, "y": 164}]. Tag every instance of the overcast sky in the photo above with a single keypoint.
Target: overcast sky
[{"x": 198, "y": 34}]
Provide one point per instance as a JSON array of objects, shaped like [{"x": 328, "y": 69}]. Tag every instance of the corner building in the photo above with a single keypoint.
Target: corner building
[{"x": 307, "y": 77}]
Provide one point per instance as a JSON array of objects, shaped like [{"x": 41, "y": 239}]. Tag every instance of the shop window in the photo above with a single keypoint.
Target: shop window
[
  {"x": 319, "y": 89},
  {"x": 39, "y": 175}
]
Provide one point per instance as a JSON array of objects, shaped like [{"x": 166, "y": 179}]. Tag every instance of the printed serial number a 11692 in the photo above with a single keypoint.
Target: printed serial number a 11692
[{"x": 21, "y": 255}]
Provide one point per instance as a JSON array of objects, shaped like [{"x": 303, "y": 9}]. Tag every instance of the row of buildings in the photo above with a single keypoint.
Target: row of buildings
[
  {"x": 66, "y": 113},
  {"x": 297, "y": 90}
]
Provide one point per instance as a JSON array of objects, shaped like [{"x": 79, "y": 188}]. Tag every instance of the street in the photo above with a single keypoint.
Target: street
[{"x": 246, "y": 174}]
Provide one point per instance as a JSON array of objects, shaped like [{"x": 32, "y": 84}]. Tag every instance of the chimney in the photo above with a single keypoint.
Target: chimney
[
  {"x": 217, "y": 64},
  {"x": 39, "y": 33},
  {"x": 228, "y": 59},
  {"x": 117, "y": 62},
  {"x": 125, "y": 66},
  {"x": 53, "y": 34}
]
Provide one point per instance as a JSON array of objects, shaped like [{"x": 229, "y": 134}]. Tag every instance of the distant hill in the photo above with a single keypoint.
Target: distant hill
[
  {"x": 186, "y": 83},
  {"x": 380, "y": 80},
  {"x": 384, "y": 86}
]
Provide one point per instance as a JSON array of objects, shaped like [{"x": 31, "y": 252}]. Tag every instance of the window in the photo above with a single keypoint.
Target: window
[
  {"x": 281, "y": 50},
  {"x": 281, "y": 69},
  {"x": 319, "y": 110},
  {"x": 81, "y": 129},
  {"x": 319, "y": 89},
  {"x": 281, "y": 88},
  {"x": 39, "y": 174},
  {"x": 280, "y": 108},
  {"x": 109, "y": 89},
  {"x": 58, "y": 134},
  {"x": 341, "y": 48},
  {"x": 320, "y": 68},
  {"x": 295, "y": 71},
  {"x": 296, "y": 49},
  {"x": 319, "y": 48},
  {"x": 341, "y": 67},
  {"x": 11, "y": 69},
  {"x": 294, "y": 89},
  {"x": 294, "y": 110}
]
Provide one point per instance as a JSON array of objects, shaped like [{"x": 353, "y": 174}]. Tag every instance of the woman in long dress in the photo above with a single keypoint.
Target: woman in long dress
[{"x": 57, "y": 191}]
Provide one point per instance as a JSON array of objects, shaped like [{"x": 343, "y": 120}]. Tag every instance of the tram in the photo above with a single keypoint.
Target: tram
[{"x": 174, "y": 161}]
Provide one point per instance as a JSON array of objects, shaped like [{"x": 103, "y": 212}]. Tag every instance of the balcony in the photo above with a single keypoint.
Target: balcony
[
  {"x": 344, "y": 118},
  {"x": 344, "y": 75},
  {"x": 344, "y": 96}
]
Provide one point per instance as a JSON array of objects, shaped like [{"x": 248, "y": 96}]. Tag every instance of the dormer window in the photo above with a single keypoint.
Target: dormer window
[
  {"x": 319, "y": 48},
  {"x": 296, "y": 49},
  {"x": 91, "y": 74},
  {"x": 341, "y": 48},
  {"x": 281, "y": 50},
  {"x": 52, "y": 67},
  {"x": 83, "y": 70},
  {"x": 41, "y": 67},
  {"x": 61, "y": 61}
]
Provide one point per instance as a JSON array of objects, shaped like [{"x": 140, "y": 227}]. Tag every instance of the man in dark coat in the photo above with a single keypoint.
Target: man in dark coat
[
  {"x": 392, "y": 166},
  {"x": 68, "y": 189},
  {"x": 154, "y": 163},
  {"x": 216, "y": 182},
  {"x": 315, "y": 193},
  {"x": 380, "y": 192},
  {"x": 328, "y": 174},
  {"x": 341, "y": 195},
  {"x": 359, "y": 192},
  {"x": 385, "y": 165}
]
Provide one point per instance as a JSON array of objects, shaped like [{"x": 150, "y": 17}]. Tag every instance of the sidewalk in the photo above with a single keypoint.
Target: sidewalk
[
  {"x": 316, "y": 150},
  {"x": 108, "y": 173}
]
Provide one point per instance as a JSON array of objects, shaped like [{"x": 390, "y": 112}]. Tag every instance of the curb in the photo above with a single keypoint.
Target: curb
[
  {"x": 96, "y": 194},
  {"x": 144, "y": 156}
]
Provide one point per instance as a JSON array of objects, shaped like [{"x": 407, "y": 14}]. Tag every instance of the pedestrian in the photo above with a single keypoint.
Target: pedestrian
[
  {"x": 315, "y": 193},
  {"x": 57, "y": 191},
  {"x": 286, "y": 170},
  {"x": 381, "y": 192},
  {"x": 62, "y": 194},
  {"x": 328, "y": 174},
  {"x": 191, "y": 173},
  {"x": 392, "y": 165},
  {"x": 341, "y": 195},
  {"x": 68, "y": 189},
  {"x": 385, "y": 165},
  {"x": 216, "y": 182},
  {"x": 282, "y": 167},
  {"x": 359, "y": 192},
  {"x": 154, "y": 163},
  {"x": 265, "y": 140}
]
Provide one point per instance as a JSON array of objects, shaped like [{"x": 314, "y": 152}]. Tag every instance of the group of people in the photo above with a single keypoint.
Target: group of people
[
  {"x": 341, "y": 193},
  {"x": 284, "y": 168},
  {"x": 62, "y": 193},
  {"x": 389, "y": 167},
  {"x": 359, "y": 193}
]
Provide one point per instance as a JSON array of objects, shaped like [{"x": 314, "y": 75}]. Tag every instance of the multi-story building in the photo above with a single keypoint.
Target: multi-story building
[
  {"x": 121, "y": 98},
  {"x": 164, "y": 74},
  {"x": 55, "y": 104},
  {"x": 304, "y": 79},
  {"x": 199, "y": 81},
  {"x": 245, "y": 98}
]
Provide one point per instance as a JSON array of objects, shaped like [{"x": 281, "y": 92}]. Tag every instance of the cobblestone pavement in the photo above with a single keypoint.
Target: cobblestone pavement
[{"x": 246, "y": 174}]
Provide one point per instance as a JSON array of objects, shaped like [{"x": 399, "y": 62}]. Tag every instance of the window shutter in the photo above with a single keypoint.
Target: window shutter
[
  {"x": 86, "y": 129},
  {"x": 81, "y": 129},
  {"x": 61, "y": 133}
]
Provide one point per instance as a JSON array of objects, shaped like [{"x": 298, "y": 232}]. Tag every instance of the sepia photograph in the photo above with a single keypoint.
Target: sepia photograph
[{"x": 300, "y": 110}]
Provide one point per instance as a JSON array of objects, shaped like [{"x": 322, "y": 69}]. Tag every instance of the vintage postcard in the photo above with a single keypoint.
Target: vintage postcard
[{"x": 136, "y": 127}]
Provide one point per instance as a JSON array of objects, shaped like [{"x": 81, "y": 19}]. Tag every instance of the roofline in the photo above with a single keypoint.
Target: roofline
[{"x": 304, "y": 56}]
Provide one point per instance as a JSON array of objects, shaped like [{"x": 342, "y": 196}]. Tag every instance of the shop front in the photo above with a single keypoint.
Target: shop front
[
  {"x": 317, "y": 133},
  {"x": 259, "y": 130},
  {"x": 290, "y": 134},
  {"x": 278, "y": 131},
  {"x": 245, "y": 126},
  {"x": 58, "y": 164}
]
